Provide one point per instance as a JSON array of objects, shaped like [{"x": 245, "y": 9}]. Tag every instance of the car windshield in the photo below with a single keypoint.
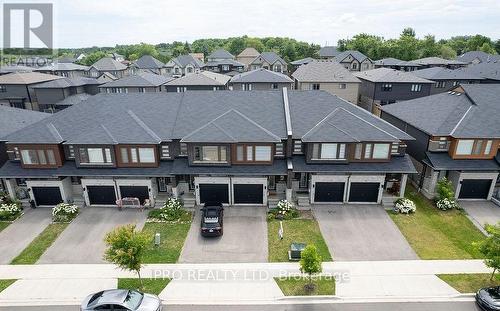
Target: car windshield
[{"x": 133, "y": 300}]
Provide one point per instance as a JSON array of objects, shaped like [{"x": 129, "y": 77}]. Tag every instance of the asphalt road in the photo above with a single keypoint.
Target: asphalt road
[{"x": 380, "y": 306}]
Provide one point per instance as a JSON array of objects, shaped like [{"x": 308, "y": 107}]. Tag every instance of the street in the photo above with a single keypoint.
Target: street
[{"x": 373, "y": 306}]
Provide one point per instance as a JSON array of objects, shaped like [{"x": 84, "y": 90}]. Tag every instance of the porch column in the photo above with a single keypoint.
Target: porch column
[
  {"x": 175, "y": 193},
  {"x": 10, "y": 184},
  {"x": 402, "y": 187}
]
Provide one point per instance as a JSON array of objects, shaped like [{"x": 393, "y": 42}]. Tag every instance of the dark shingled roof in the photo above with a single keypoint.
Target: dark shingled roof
[
  {"x": 324, "y": 71},
  {"x": 108, "y": 64},
  {"x": 438, "y": 61},
  {"x": 384, "y": 75},
  {"x": 357, "y": 55},
  {"x": 470, "y": 115},
  {"x": 66, "y": 82},
  {"x": 396, "y": 165},
  {"x": 468, "y": 57},
  {"x": 143, "y": 79},
  {"x": 154, "y": 117},
  {"x": 487, "y": 70},
  {"x": 328, "y": 51},
  {"x": 260, "y": 75},
  {"x": 184, "y": 60},
  {"x": 441, "y": 73},
  {"x": 148, "y": 62},
  {"x": 14, "y": 119},
  {"x": 390, "y": 61},
  {"x": 221, "y": 53},
  {"x": 442, "y": 161}
]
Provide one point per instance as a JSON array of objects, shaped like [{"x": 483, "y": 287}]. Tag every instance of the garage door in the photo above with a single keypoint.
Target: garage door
[
  {"x": 329, "y": 192},
  {"x": 364, "y": 192},
  {"x": 248, "y": 193},
  {"x": 47, "y": 195},
  {"x": 214, "y": 193},
  {"x": 140, "y": 192},
  {"x": 475, "y": 189},
  {"x": 101, "y": 195}
]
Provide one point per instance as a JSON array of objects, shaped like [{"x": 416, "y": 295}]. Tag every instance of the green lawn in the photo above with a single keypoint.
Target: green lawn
[
  {"x": 295, "y": 230},
  {"x": 436, "y": 234},
  {"x": 294, "y": 286},
  {"x": 39, "y": 245},
  {"x": 151, "y": 286},
  {"x": 172, "y": 240},
  {"x": 470, "y": 283},
  {"x": 4, "y": 224},
  {"x": 5, "y": 283}
]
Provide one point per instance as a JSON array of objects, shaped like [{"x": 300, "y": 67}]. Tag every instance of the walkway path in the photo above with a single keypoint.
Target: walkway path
[{"x": 19, "y": 234}]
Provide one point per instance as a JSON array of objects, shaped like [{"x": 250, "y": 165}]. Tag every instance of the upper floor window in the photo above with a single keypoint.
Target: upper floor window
[
  {"x": 474, "y": 147},
  {"x": 3, "y": 88},
  {"x": 455, "y": 83},
  {"x": 297, "y": 146},
  {"x": 354, "y": 65},
  {"x": 117, "y": 90},
  {"x": 213, "y": 154},
  {"x": 328, "y": 151},
  {"x": 181, "y": 89},
  {"x": 372, "y": 151},
  {"x": 177, "y": 70},
  {"x": 38, "y": 157},
  {"x": 183, "y": 149},
  {"x": 440, "y": 84},
  {"x": 165, "y": 151},
  {"x": 246, "y": 86},
  {"x": 386, "y": 87},
  {"x": 342, "y": 86},
  {"x": 252, "y": 153},
  {"x": 137, "y": 155},
  {"x": 274, "y": 86},
  {"x": 225, "y": 67},
  {"x": 277, "y": 68},
  {"x": 142, "y": 90},
  {"x": 315, "y": 86},
  {"x": 189, "y": 69},
  {"x": 416, "y": 87},
  {"x": 95, "y": 156}
]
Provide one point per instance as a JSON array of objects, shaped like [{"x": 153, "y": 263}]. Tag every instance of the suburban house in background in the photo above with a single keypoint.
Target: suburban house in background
[
  {"x": 489, "y": 71},
  {"x": 68, "y": 70},
  {"x": 299, "y": 62},
  {"x": 221, "y": 61},
  {"x": 247, "y": 148},
  {"x": 328, "y": 76},
  {"x": 270, "y": 61},
  {"x": 476, "y": 57},
  {"x": 110, "y": 66},
  {"x": 328, "y": 52},
  {"x": 384, "y": 86},
  {"x": 394, "y": 63},
  {"x": 429, "y": 62},
  {"x": 16, "y": 89},
  {"x": 5, "y": 69},
  {"x": 247, "y": 56},
  {"x": 141, "y": 83},
  {"x": 354, "y": 61},
  {"x": 183, "y": 65},
  {"x": 199, "y": 81},
  {"x": 148, "y": 63},
  {"x": 118, "y": 57},
  {"x": 457, "y": 136},
  {"x": 260, "y": 79},
  {"x": 446, "y": 79},
  {"x": 55, "y": 95}
]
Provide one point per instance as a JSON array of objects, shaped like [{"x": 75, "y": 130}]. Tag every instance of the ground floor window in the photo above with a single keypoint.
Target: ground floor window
[
  {"x": 271, "y": 183},
  {"x": 162, "y": 183}
]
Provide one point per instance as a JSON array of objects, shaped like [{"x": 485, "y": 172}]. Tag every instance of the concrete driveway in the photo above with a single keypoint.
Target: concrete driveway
[
  {"x": 482, "y": 212},
  {"x": 19, "y": 234},
  {"x": 83, "y": 239},
  {"x": 244, "y": 239},
  {"x": 361, "y": 232}
]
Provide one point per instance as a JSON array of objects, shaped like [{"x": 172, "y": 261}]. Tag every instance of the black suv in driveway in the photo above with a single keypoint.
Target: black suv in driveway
[{"x": 212, "y": 219}]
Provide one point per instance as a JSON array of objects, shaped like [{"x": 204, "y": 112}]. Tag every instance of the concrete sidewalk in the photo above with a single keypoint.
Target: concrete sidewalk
[
  {"x": 200, "y": 283},
  {"x": 19, "y": 234}
]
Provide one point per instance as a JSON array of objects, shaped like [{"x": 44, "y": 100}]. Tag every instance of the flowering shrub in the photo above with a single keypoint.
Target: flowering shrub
[
  {"x": 64, "y": 212},
  {"x": 10, "y": 212},
  {"x": 447, "y": 204},
  {"x": 171, "y": 211},
  {"x": 404, "y": 206},
  {"x": 284, "y": 207},
  {"x": 283, "y": 210}
]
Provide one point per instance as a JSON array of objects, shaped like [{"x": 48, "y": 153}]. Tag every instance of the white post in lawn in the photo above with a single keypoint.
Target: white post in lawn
[{"x": 280, "y": 231}]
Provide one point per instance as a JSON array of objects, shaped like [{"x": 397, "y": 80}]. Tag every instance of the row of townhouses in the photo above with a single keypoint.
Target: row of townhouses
[{"x": 234, "y": 147}]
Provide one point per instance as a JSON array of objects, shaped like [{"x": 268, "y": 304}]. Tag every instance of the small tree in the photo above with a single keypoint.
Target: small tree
[
  {"x": 310, "y": 263},
  {"x": 490, "y": 247},
  {"x": 444, "y": 189},
  {"x": 125, "y": 248}
]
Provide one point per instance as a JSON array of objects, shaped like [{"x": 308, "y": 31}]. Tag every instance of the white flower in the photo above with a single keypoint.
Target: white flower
[
  {"x": 404, "y": 206},
  {"x": 446, "y": 204}
]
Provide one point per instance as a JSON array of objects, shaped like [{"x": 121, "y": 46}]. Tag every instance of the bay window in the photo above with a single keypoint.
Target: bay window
[
  {"x": 38, "y": 157},
  {"x": 94, "y": 155},
  {"x": 253, "y": 153},
  {"x": 381, "y": 151},
  {"x": 372, "y": 151},
  {"x": 328, "y": 151},
  {"x": 476, "y": 147},
  {"x": 210, "y": 154},
  {"x": 464, "y": 147}
]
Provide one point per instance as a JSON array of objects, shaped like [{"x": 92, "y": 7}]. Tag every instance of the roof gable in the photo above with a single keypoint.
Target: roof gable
[
  {"x": 148, "y": 62},
  {"x": 108, "y": 64},
  {"x": 242, "y": 129},
  {"x": 260, "y": 75}
]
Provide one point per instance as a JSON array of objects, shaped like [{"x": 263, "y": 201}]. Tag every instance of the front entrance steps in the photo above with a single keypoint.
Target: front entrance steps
[
  {"x": 303, "y": 200},
  {"x": 388, "y": 200},
  {"x": 273, "y": 199}
]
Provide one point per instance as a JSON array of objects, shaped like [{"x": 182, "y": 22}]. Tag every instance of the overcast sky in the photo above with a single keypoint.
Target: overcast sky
[{"x": 83, "y": 23}]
